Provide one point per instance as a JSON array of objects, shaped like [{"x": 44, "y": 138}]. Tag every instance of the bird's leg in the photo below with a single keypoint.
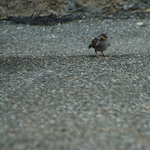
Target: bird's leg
[
  {"x": 104, "y": 55},
  {"x": 96, "y": 53}
]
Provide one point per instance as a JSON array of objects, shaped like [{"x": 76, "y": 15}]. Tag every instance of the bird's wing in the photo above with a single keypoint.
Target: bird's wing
[{"x": 94, "y": 42}]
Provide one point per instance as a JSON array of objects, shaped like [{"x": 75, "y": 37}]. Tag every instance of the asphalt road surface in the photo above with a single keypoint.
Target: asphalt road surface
[{"x": 56, "y": 94}]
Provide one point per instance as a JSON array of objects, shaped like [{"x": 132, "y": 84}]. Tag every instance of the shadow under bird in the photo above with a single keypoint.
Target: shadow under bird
[{"x": 100, "y": 43}]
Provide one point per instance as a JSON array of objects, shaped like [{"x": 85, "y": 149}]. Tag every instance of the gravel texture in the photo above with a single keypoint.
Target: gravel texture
[{"x": 56, "y": 94}]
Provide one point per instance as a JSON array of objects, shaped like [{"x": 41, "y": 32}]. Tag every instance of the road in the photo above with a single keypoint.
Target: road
[{"x": 56, "y": 94}]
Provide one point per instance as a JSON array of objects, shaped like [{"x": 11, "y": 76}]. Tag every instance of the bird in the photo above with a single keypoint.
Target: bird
[{"x": 100, "y": 43}]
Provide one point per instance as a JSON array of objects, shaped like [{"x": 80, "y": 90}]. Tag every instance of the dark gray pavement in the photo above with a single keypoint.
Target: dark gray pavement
[{"x": 55, "y": 94}]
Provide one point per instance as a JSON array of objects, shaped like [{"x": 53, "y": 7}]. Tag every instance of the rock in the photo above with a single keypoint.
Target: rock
[
  {"x": 147, "y": 10},
  {"x": 140, "y": 24}
]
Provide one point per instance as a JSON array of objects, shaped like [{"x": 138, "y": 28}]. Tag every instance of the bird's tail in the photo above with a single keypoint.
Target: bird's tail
[{"x": 90, "y": 46}]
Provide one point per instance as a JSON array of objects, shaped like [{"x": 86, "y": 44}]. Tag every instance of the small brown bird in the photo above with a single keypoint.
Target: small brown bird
[{"x": 100, "y": 43}]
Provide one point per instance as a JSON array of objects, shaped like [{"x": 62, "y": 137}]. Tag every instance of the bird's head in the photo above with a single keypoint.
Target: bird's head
[{"x": 103, "y": 36}]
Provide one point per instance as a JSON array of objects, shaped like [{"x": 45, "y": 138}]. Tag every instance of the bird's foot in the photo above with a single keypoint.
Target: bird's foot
[
  {"x": 102, "y": 56},
  {"x": 105, "y": 55}
]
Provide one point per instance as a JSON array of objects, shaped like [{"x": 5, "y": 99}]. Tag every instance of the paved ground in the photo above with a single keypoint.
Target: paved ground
[{"x": 55, "y": 94}]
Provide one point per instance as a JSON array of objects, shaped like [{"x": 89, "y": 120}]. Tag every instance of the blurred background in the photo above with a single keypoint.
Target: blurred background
[{"x": 66, "y": 7}]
